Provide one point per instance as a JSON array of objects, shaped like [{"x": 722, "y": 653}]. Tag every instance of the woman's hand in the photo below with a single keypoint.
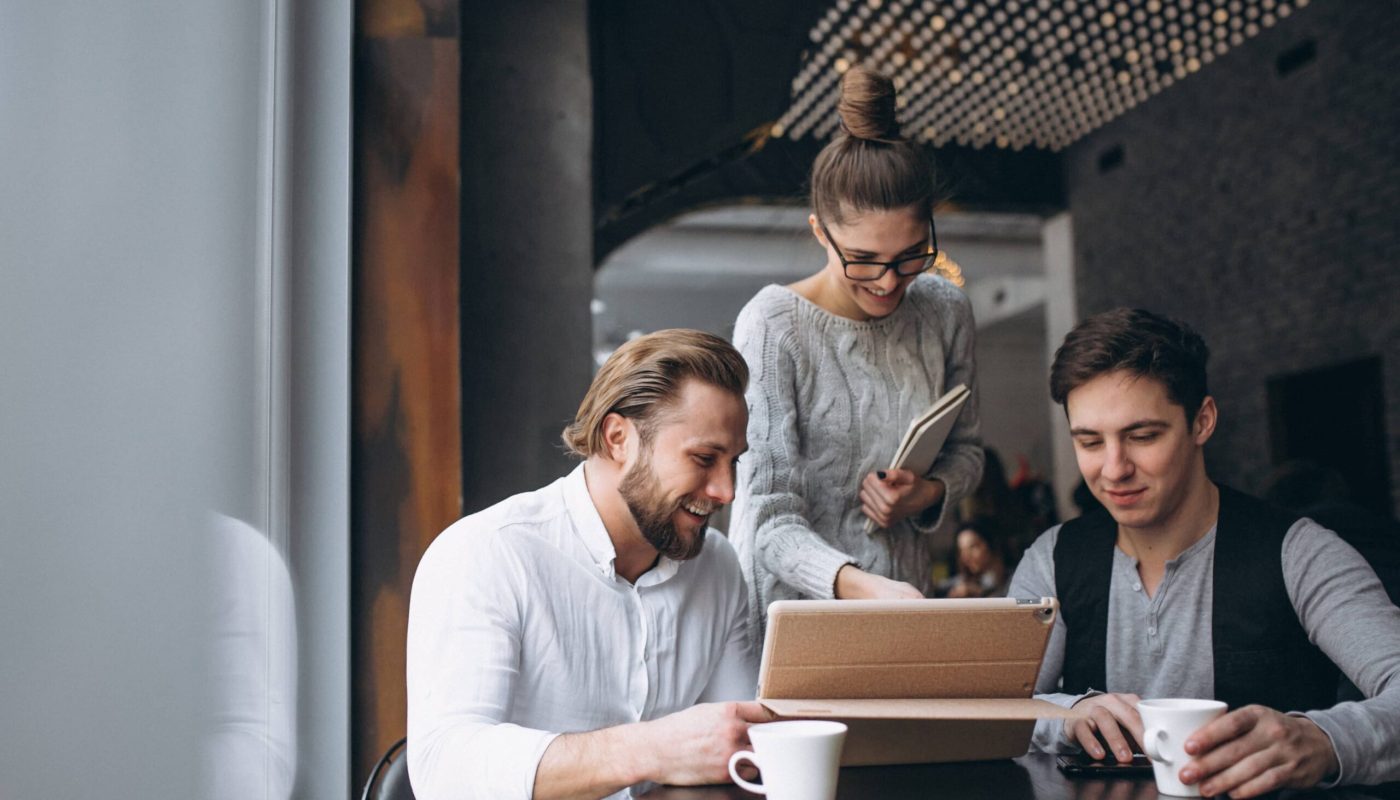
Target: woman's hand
[
  {"x": 963, "y": 589},
  {"x": 853, "y": 583},
  {"x": 889, "y": 496}
]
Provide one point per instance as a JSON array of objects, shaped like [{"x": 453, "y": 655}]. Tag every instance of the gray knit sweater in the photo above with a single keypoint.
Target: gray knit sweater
[{"x": 829, "y": 399}]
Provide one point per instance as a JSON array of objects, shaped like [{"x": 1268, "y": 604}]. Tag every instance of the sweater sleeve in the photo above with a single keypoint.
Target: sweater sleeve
[
  {"x": 1347, "y": 614},
  {"x": 959, "y": 465},
  {"x": 773, "y": 507},
  {"x": 1035, "y": 578}
]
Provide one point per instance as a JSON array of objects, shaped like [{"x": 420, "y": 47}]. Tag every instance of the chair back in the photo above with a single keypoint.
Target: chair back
[{"x": 389, "y": 778}]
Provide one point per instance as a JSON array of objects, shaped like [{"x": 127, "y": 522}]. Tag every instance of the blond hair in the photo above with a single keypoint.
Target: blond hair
[{"x": 643, "y": 377}]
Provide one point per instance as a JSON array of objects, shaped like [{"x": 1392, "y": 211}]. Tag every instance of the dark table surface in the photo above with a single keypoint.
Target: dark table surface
[{"x": 1031, "y": 777}]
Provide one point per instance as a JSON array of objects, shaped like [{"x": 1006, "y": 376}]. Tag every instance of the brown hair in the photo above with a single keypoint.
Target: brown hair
[
  {"x": 643, "y": 377},
  {"x": 869, "y": 166},
  {"x": 1137, "y": 341}
]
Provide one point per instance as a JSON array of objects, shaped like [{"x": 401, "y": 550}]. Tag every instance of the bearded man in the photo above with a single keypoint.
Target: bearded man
[{"x": 559, "y": 641}]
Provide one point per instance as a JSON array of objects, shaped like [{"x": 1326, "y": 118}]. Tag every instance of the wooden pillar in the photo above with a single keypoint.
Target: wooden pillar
[
  {"x": 406, "y": 459},
  {"x": 472, "y": 289}
]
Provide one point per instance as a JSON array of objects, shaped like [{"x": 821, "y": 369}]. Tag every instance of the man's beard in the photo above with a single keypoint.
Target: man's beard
[{"x": 654, "y": 516}]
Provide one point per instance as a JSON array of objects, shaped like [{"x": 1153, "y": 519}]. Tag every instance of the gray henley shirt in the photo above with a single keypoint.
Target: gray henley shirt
[{"x": 1160, "y": 646}]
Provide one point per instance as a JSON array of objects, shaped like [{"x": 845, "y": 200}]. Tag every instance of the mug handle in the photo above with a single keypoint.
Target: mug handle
[
  {"x": 752, "y": 758},
  {"x": 1151, "y": 745}
]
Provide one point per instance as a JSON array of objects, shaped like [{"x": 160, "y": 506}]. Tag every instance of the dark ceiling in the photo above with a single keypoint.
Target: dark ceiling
[
  {"x": 686, "y": 93},
  {"x": 728, "y": 100}
]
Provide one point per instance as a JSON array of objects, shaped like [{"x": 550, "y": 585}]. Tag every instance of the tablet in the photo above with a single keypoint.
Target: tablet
[
  {"x": 926, "y": 649},
  {"x": 915, "y": 680}
]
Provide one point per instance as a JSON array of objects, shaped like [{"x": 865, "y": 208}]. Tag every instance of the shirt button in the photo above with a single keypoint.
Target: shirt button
[
  {"x": 1137, "y": 587},
  {"x": 1152, "y": 631}
]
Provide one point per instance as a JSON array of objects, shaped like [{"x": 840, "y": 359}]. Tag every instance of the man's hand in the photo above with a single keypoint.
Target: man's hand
[
  {"x": 889, "y": 496},
  {"x": 1109, "y": 719},
  {"x": 853, "y": 583},
  {"x": 1255, "y": 750},
  {"x": 692, "y": 747}
]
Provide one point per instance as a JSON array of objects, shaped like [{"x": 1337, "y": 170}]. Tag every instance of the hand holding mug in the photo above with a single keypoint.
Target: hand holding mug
[
  {"x": 1167, "y": 726},
  {"x": 1255, "y": 750},
  {"x": 691, "y": 747},
  {"x": 798, "y": 759}
]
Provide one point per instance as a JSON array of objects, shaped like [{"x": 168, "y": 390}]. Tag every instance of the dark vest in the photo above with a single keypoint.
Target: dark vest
[{"x": 1262, "y": 654}]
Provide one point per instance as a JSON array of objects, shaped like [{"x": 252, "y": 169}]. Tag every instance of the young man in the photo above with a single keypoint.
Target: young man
[
  {"x": 559, "y": 641},
  {"x": 1184, "y": 588}
]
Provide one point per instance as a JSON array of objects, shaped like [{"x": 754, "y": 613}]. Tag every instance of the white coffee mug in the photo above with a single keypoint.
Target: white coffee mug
[
  {"x": 1166, "y": 726},
  {"x": 799, "y": 759}
]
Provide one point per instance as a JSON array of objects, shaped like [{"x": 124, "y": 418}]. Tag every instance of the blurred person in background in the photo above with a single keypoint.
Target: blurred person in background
[
  {"x": 982, "y": 569},
  {"x": 995, "y": 502},
  {"x": 1036, "y": 496}
]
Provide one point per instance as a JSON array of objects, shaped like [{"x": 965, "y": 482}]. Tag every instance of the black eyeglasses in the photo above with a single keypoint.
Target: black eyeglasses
[{"x": 875, "y": 270}]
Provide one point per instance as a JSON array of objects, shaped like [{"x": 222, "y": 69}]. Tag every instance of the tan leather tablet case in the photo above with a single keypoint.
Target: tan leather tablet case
[{"x": 916, "y": 680}]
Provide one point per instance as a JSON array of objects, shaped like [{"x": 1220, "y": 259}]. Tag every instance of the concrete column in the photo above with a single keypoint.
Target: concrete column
[
  {"x": 1060, "y": 315},
  {"x": 312, "y": 239},
  {"x": 526, "y": 240}
]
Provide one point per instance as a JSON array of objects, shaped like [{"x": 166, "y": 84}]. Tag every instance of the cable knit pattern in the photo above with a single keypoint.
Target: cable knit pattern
[{"x": 829, "y": 399}]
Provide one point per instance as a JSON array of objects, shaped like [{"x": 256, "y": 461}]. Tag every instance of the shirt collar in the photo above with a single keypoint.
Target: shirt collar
[
  {"x": 1203, "y": 543},
  {"x": 664, "y": 569},
  {"x": 1207, "y": 541},
  {"x": 589, "y": 525}
]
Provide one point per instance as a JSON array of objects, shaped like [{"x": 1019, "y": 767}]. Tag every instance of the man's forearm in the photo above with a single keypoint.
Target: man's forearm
[
  {"x": 1363, "y": 738},
  {"x": 587, "y": 766}
]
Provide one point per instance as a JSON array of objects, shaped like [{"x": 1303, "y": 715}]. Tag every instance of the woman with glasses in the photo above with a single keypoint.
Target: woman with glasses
[{"x": 841, "y": 361}]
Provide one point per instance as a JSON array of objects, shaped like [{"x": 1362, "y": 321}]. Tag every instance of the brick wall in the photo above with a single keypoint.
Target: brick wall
[{"x": 1264, "y": 209}]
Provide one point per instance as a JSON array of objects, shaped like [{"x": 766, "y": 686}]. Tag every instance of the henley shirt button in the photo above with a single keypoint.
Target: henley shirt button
[
  {"x": 1137, "y": 587},
  {"x": 1152, "y": 631}
]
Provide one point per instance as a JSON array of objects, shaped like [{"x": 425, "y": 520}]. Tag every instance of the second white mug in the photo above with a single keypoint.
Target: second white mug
[{"x": 798, "y": 759}]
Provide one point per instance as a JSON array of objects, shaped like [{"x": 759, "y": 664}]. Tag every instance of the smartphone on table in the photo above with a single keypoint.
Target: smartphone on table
[{"x": 1082, "y": 766}]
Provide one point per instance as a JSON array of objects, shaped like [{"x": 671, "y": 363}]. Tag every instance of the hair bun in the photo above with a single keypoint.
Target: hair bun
[{"x": 867, "y": 106}]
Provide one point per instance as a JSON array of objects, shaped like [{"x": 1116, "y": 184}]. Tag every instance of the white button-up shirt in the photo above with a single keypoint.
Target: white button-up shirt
[{"x": 520, "y": 629}]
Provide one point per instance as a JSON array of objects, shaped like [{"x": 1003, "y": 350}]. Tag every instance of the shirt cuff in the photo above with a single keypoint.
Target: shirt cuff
[
  {"x": 515, "y": 758},
  {"x": 1064, "y": 700},
  {"x": 1061, "y": 741},
  {"x": 816, "y": 572},
  {"x": 1048, "y": 737},
  {"x": 932, "y": 517},
  {"x": 928, "y": 520},
  {"x": 1320, "y": 719}
]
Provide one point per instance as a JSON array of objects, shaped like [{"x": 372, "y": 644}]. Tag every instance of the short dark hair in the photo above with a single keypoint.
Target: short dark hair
[{"x": 1139, "y": 342}]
